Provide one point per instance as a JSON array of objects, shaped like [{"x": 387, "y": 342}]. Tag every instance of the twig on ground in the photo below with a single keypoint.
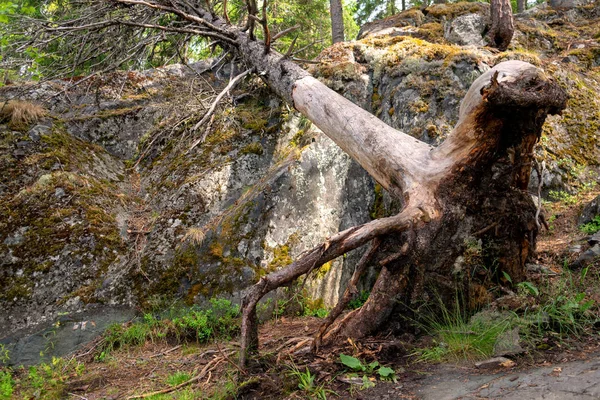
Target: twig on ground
[
  {"x": 229, "y": 360},
  {"x": 165, "y": 352},
  {"x": 207, "y": 368}
]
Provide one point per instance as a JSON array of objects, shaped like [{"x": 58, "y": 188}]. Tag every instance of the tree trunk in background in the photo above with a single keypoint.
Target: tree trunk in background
[
  {"x": 521, "y": 5},
  {"x": 337, "y": 20},
  {"x": 503, "y": 28},
  {"x": 403, "y": 5},
  {"x": 391, "y": 7}
]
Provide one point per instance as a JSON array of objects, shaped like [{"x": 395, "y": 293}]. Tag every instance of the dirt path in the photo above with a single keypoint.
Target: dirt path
[
  {"x": 578, "y": 379},
  {"x": 572, "y": 380}
]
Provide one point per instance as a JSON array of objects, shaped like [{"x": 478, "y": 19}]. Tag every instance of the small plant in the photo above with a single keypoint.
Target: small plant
[
  {"x": 4, "y": 354},
  {"x": 306, "y": 383},
  {"x": 6, "y": 385},
  {"x": 358, "y": 301},
  {"x": 562, "y": 196},
  {"x": 355, "y": 365},
  {"x": 591, "y": 227},
  {"x": 550, "y": 221},
  {"x": 529, "y": 287},
  {"x": 48, "y": 380},
  {"x": 178, "y": 378},
  {"x": 194, "y": 235}
]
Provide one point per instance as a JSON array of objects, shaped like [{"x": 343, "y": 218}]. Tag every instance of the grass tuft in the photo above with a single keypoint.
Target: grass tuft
[{"x": 20, "y": 114}]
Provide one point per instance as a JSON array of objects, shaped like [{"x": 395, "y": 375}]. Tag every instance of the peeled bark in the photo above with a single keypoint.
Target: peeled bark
[
  {"x": 471, "y": 187},
  {"x": 337, "y": 20},
  {"x": 502, "y": 29}
]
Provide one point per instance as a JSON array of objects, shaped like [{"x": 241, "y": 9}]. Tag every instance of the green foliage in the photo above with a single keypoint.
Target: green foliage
[
  {"x": 562, "y": 196},
  {"x": 45, "y": 380},
  {"x": 355, "y": 365},
  {"x": 458, "y": 337},
  {"x": 6, "y": 385},
  {"x": 178, "y": 378},
  {"x": 358, "y": 301},
  {"x": 219, "y": 320},
  {"x": 307, "y": 384},
  {"x": 565, "y": 315},
  {"x": 591, "y": 227},
  {"x": 25, "y": 54}
]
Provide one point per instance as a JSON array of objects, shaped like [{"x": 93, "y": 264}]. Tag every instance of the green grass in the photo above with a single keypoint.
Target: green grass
[
  {"x": 178, "y": 378},
  {"x": 559, "y": 309},
  {"x": 307, "y": 384},
  {"x": 179, "y": 324},
  {"x": 457, "y": 337},
  {"x": 565, "y": 309}
]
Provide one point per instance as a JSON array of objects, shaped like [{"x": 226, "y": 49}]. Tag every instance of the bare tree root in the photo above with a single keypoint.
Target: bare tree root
[
  {"x": 334, "y": 247},
  {"x": 348, "y": 293},
  {"x": 362, "y": 321}
]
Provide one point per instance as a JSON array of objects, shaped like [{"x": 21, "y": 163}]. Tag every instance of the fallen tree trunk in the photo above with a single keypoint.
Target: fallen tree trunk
[{"x": 470, "y": 188}]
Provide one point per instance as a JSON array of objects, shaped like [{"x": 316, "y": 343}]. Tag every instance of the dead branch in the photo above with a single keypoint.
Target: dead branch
[
  {"x": 178, "y": 30},
  {"x": 178, "y": 12},
  {"x": 284, "y": 32},
  {"x": 213, "y": 106},
  {"x": 265, "y": 26},
  {"x": 288, "y": 53},
  {"x": 225, "y": 16}
]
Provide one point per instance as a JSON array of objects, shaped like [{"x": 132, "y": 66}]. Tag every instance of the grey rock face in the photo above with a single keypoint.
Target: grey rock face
[
  {"x": 589, "y": 211},
  {"x": 466, "y": 30},
  {"x": 565, "y": 4}
]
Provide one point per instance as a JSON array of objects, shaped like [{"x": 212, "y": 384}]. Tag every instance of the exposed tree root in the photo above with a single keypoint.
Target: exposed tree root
[
  {"x": 336, "y": 246},
  {"x": 348, "y": 293}
]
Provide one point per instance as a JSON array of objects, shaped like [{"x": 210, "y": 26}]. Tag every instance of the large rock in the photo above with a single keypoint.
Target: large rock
[
  {"x": 466, "y": 30},
  {"x": 83, "y": 222},
  {"x": 589, "y": 212}
]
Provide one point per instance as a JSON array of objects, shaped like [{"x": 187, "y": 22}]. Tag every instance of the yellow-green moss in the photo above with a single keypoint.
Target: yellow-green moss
[
  {"x": 453, "y": 10},
  {"x": 281, "y": 258},
  {"x": 252, "y": 148},
  {"x": 378, "y": 208},
  {"x": 581, "y": 119},
  {"x": 323, "y": 270}
]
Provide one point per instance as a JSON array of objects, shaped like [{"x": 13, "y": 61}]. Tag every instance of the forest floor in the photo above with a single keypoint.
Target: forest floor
[{"x": 559, "y": 359}]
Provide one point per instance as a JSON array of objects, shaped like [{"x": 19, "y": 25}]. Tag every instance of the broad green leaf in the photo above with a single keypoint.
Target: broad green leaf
[
  {"x": 351, "y": 362},
  {"x": 386, "y": 372}
]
